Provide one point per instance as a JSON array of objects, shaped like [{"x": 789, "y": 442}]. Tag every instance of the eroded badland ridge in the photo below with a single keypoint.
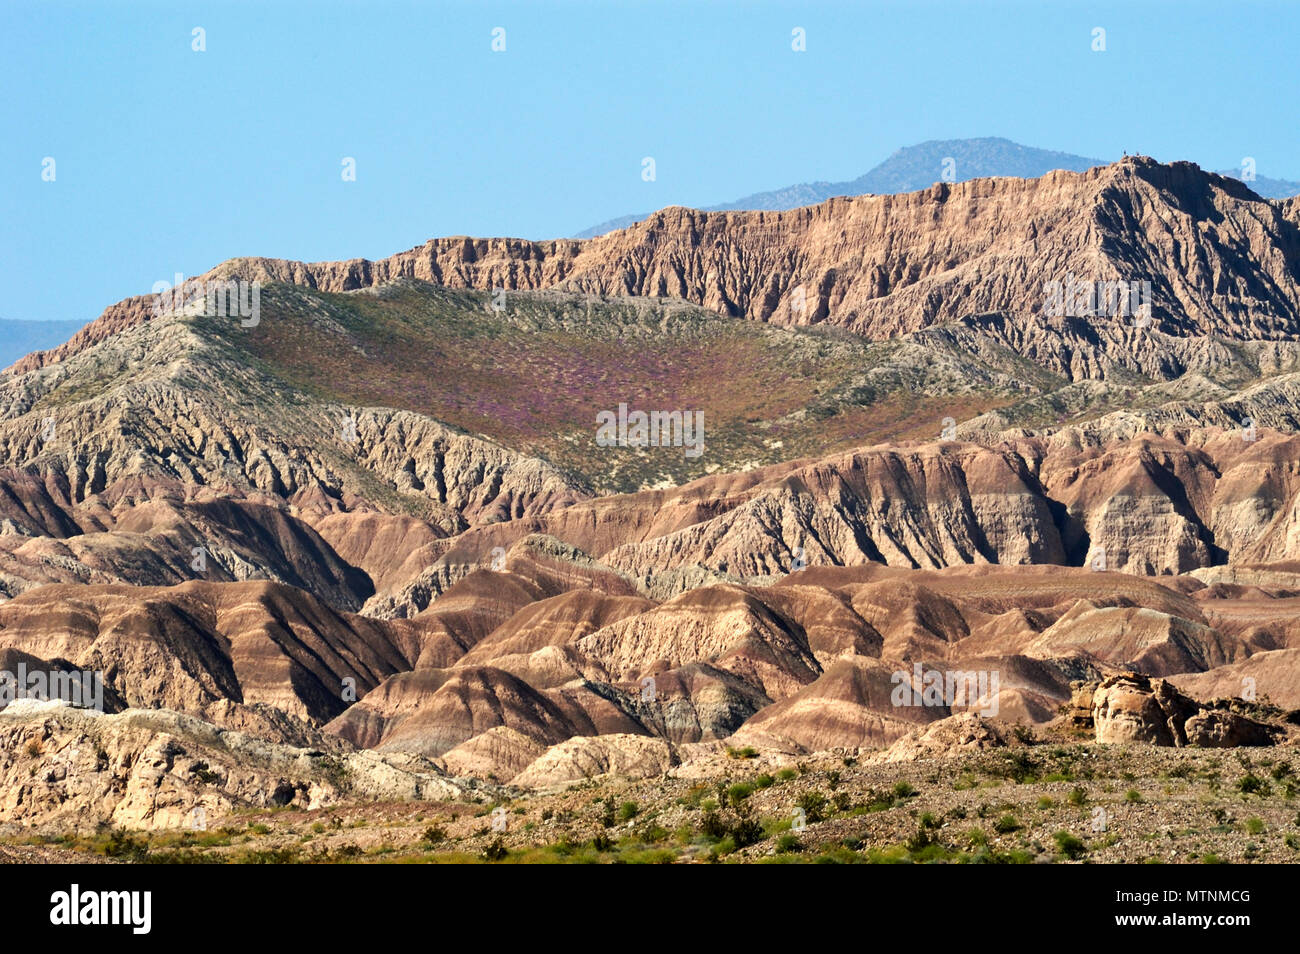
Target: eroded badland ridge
[{"x": 1004, "y": 452}]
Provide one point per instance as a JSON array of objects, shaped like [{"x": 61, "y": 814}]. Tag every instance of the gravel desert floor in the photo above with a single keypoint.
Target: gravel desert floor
[{"x": 1045, "y": 798}]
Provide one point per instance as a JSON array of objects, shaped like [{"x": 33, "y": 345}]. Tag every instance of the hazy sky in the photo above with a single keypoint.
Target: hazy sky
[{"x": 170, "y": 160}]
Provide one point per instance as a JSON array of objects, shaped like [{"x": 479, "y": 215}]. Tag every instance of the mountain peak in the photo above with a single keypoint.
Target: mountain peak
[{"x": 919, "y": 166}]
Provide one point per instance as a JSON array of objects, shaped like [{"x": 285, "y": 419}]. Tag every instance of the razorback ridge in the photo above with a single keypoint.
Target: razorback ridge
[{"x": 1220, "y": 260}]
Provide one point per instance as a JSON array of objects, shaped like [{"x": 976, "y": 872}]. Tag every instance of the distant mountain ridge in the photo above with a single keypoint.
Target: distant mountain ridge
[
  {"x": 920, "y": 166},
  {"x": 18, "y": 338},
  {"x": 1264, "y": 186}
]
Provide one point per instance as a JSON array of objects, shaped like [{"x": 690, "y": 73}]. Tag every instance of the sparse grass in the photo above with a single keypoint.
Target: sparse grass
[
  {"x": 573, "y": 351},
  {"x": 1251, "y": 784},
  {"x": 1069, "y": 845},
  {"x": 787, "y": 843},
  {"x": 813, "y": 805},
  {"x": 1007, "y": 824},
  {"x": 733, "y": 816},
  {"x": 739, "y": 792}
]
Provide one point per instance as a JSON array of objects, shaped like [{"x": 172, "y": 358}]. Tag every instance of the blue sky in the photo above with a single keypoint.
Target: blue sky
[{"x": 170, "y": 160}]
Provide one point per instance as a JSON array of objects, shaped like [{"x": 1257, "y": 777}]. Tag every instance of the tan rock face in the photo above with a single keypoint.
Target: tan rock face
[
  {"x": 500, "y": 754},
  {"x": 725, "y": 626},
  {"x": 1146, "y": 504},
  {"x": 1128, "y": 711},
  {"x": 886, "y": 265},
  {"x": 200, "y": 645},
  {"x": 158, "y": 769},
  {"x": 960, "y": 733},
  {"x": 1272, "y": 676},
  {"x": 1079, "y": 709},
  {"x": 1133, "y": 708},
  {"x": 848, "y": 705},
  {"x": 630, "y": 756},
  {"x": 431, "y": 712},
  {"x": 1219, "y": 730}
]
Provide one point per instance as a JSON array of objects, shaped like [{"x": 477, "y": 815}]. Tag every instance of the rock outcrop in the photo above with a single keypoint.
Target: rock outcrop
[
  {"x": 951, "y": 736},
  {"x": 1130, "y": 707},
  {"x": 156, "y": 769},
  {"x": 887, "y": 265}
]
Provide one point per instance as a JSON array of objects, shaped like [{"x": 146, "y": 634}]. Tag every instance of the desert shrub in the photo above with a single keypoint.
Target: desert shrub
[
  {"x": 268, "y": 856},
  {"x": 788, "y": 843},
  {"x": 694, "y": 795},
  {"x": 813, "y": 805},
  {"x": 122, "y": 844},
  {"x": 1069, "y": 845},
  {"x": 747, "y": 831},
  {"x": 713, "y": 825},
  {"x": 653, "y": 833},
  {"x": 1007, "y": 824},
  {"x": 1020, "y": 767},
  {"x": 1024, "y": 734},
  {"x": 1251, "y": 784},
  {"x": 921, "y": 839},
  {"x": 739, "y": 792},
  {"x": 204, "y": 774}
]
